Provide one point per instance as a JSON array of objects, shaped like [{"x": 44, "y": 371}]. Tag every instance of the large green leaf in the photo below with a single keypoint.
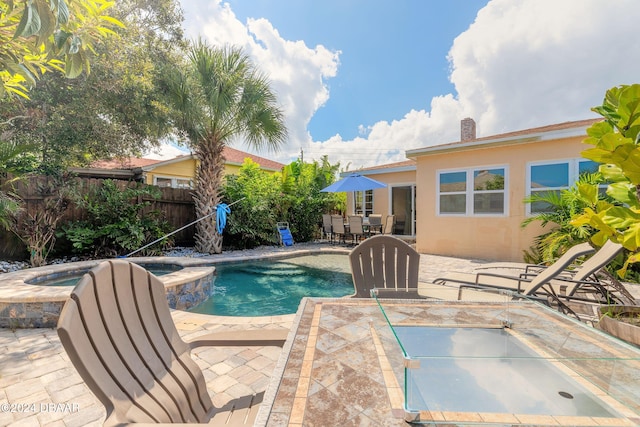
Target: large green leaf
[
  {"x": 598, "y": 155},
  {"x": 588, "y": 193},
  {"x": 628, "y": 158},
  {"x": 629, "y": 108},
  {"x": 597, "y": 131},
  {"x": 48, "y": 21},
  {"x": 29, "y": 23},
  {"x": 631, "y": 237},
  {"x": 73, "y": 65},
  {"x": 613, "y": 141},
  {"x": 60, "y": 38},
  {"x": 612, "y": 173},
  {"x": 61, "y": 10},
  {"x": 623, "y": 192}
]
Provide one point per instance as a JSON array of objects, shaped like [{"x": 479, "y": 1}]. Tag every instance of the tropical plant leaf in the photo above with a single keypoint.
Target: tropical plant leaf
[
  {"x": 73, "y": 65},
  {"x": 29, "y": 23}
]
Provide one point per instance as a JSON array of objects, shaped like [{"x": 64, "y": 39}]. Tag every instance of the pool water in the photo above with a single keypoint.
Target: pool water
[
  {"x": 268, "y": 288},
  {"x": 72, "y": 278}
]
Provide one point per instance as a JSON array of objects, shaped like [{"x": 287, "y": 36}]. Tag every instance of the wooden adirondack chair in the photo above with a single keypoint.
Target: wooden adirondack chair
[
  {"x": 387, "y": 264},
  {"x": 118, "y": 332}
]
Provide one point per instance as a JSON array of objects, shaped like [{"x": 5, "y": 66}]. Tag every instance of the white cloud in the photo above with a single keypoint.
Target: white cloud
[
  {"x": 530, "y": 63},
  {"x": 297, "y": 72},
  {"x": 166, "y": 151},
  {"x": 519, "y": 65}
]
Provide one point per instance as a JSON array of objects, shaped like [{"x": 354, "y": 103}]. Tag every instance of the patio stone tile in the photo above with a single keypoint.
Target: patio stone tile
[
  {"x": 30, "y": 421},
  {"x": 33, "y": 365},
  {"x": 261, "y": 363}
]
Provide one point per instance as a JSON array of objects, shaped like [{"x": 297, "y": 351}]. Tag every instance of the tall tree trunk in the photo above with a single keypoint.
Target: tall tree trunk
[{"x": 209, "y": 177}]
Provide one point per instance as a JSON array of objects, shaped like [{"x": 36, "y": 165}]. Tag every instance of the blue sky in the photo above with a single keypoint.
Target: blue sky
[
  {"x": 361, "y": 81},
  {"x": 393, "y": 58}
]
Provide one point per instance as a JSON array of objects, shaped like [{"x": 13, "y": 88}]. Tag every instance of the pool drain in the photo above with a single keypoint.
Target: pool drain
[{"x": 565, "y": 395}]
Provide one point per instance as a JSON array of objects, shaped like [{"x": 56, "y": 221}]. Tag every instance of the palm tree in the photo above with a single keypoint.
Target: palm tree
[
  {"x": 561, "y": 207},
  {"x": 221, "y": 96}
]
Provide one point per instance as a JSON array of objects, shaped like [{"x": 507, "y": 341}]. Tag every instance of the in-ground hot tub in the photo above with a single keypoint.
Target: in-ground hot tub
[{"x": 34, "y": 298}]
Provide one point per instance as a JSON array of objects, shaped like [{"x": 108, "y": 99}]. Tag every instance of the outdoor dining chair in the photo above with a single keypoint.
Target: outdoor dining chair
[
  {"x": 118, "y": 332},
  {"x": 337, "y": 228},
  {"x": 375, "y": 223},
  {"x": 327, "y": 230},
  {"x": 356, "y": 228},
  {"x": 388, "y": 224},
  {"x": 385, "y": 263}
]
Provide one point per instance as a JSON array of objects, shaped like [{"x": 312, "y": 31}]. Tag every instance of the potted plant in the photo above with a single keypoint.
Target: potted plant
[{"x": 621, "y": 321}]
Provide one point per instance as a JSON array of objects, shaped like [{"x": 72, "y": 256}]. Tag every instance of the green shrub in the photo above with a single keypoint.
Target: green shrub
[
  {"x": 117, "y": 222},
  {"x": 262, "y": 199}
]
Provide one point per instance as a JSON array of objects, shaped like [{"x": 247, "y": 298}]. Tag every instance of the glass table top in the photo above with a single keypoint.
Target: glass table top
[{"x": 505, "y": 359}]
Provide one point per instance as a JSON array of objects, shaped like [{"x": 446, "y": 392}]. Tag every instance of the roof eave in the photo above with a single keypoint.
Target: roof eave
[
  {"x": 382, "y": 171},
  {"x": 168, "y": 162},
  {"x": 497, "y": 142}
]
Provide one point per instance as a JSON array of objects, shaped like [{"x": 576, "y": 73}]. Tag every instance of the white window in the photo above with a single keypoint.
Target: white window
[
  {"x": 554, "y": 176},
  {"x": 472, "y": 192},
  {"x": 163, "y": 181},
  {"x": 363, "y": 202}
]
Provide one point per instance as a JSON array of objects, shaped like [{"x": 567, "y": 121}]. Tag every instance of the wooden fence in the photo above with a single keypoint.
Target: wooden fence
[{"x": 175, "y": 204}]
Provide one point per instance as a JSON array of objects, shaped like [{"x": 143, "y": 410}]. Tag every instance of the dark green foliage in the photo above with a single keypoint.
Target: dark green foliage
[
  {"x": 116, "y": 110},
  {"x": 253, "y": 218},
  {"x": 118, "y": 221},
  {"x": 562, "y": 207},
  {"x": 265, "y": 199}
]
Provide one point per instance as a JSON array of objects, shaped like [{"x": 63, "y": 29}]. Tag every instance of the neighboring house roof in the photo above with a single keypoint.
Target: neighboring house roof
[
  {"x": 543, "y": 133},
  {"x": 126, "y": 163},
  {"x": 232, "y": 156}
]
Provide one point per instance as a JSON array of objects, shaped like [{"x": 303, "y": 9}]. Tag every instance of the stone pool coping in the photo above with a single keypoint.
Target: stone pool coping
[{"x": 24, "y": 305}]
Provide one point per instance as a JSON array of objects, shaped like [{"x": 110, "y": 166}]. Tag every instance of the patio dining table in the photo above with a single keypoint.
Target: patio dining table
[{"x": 368, "y": 228}]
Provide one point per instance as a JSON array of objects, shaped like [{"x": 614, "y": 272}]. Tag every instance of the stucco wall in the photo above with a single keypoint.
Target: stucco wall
[
  {"x": 183, "y": 169},
  {"x": 382, "y": 196},
  {"x": 493, "y": 238}
]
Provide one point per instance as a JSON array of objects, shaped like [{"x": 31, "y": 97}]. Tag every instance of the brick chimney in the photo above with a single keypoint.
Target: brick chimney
[{"x": 467, "y": 130}]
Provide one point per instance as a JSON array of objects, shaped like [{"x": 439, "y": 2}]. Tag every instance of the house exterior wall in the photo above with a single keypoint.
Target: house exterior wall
[
  {"x": 382, "y": 196},
  {"x": 184, "y": 169},
  {"x": 490, "y": 237}
]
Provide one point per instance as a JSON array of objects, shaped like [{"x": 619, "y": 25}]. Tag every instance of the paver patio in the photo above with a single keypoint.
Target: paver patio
[{"x": 40, "y": 387}]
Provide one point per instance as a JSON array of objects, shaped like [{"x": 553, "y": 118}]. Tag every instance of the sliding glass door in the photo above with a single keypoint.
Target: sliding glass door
[{"x": 403, "y": 206}]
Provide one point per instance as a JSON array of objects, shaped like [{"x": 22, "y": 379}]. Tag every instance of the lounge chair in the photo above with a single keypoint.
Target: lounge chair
[
  {"x": 575, "y": 252},
  {"x": 284, "y": 234},
  {"x": 118, "y": 333},
  {"x": 385, "y": 263},
  {"x": 567, "y": 260},
  {"x": 501, "y": 279},
  {"x": 552, "y": 281}
]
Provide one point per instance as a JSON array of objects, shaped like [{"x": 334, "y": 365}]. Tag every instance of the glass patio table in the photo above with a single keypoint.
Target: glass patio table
[{"x": 509, "y": 362}]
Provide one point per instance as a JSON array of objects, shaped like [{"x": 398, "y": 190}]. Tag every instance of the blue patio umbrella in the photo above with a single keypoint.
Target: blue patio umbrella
[{"x": 354, "y": 182}]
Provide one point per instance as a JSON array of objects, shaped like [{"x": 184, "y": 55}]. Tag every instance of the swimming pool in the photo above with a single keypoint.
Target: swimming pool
[{"x": 275, "y": 287}]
